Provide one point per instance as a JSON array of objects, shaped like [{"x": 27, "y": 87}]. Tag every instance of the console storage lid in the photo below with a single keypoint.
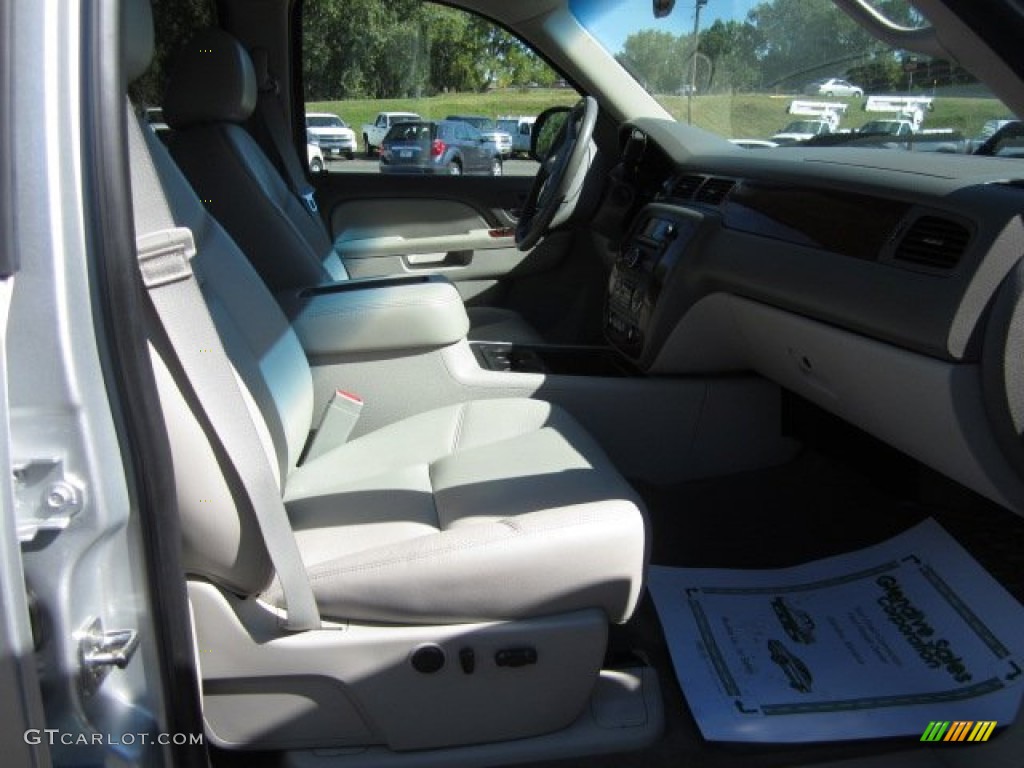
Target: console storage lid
[{"x": 377, "y": 315}]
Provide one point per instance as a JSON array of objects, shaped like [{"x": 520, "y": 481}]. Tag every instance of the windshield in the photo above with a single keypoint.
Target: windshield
[
  {"x": 743, "y": 68},
  {"x": 324, "y": 121},
  {"x": 480, "y": 123},
  {"x": 802, "y": 126}
]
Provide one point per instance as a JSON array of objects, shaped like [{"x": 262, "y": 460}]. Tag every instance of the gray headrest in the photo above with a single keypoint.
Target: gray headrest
[
  {"x": 136, "y": 37},
  {"x": 212, "y": 81}
]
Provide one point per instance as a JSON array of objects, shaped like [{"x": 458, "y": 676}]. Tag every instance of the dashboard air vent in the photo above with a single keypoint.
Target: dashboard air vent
[
  {"x": 714, "y": 191},
  {"x": 685, "y": 186},
  {"x": 933, "y": 242}
]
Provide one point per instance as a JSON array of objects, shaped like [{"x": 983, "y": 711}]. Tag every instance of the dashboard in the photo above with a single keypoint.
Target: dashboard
[{"x": 883, "y": 284}]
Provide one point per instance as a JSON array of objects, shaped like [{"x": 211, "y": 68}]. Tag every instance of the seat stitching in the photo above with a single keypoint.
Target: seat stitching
[
  {"x": 314, "y": 577},
  {"x": 510, "y": 523},
  {"x": 584, "y": 518}
]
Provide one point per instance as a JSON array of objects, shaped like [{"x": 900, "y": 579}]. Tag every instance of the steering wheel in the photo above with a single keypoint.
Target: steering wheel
[
  {"x": 557, "y": 185},
  {"x": 1012, "y": 130}
]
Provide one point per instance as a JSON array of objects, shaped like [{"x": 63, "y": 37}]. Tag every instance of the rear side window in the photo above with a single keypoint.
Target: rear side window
[
  {"x": 411, "y": 132},
  {"x": 370, "y": 59}
]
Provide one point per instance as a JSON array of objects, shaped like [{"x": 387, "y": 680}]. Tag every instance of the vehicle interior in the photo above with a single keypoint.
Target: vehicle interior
[{"x": 416, "y": 447}]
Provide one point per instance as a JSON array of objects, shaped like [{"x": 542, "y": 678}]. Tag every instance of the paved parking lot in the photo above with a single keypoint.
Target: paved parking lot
[{"x": 361, "y": 164}]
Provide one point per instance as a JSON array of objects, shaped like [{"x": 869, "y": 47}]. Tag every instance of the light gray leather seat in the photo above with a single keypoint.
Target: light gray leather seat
[
  {"x": 464, "y": 562},
  {"x": 488, "y": 510},
  {"x": 211, "y": 93},
  {"x": 498, "y": 509},
  {"x": 495, "y": 509}
]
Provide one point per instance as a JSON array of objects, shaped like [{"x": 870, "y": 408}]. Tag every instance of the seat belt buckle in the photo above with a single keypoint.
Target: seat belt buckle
[
  {"x": 337, "y": 423},
  {"x": 309, "y": 200},
  {"x": 164, "y": 256}
]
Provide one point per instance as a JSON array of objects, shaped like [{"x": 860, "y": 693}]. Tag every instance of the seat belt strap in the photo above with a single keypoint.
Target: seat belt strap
[
  {"x": 164, "y": 255},
  {"x": 272, "y": 111}
]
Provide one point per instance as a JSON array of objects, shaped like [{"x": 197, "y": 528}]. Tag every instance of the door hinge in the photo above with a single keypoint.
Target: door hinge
[{"x": 99, "y": 650}]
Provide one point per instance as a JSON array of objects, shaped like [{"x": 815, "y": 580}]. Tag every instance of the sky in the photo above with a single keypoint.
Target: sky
[{"x": 612, "y": 21}]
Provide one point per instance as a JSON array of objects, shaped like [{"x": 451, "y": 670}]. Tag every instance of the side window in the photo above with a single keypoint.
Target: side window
[
  {"x": 368, "y": 61},
  {"x": 174, "y": 23}
]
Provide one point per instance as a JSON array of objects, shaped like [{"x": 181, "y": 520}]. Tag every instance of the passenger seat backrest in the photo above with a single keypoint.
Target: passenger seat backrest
[{"x": 211, "y": 93}]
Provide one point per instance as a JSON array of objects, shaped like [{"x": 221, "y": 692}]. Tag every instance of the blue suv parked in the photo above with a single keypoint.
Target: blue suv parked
[{"x": 439, "y": 147}]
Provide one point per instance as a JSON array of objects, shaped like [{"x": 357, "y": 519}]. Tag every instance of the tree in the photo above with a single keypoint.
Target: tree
[
  {"x": 363, "y": 49},
  {"x": 452, "y": 67},
  {"x": 658, "y": 59},
  {"x": 881, "y": 74},
  {"x": 400, "y": 48},
  {"x": 732, "y": 47},
  {"x": 806, "y": 39}
]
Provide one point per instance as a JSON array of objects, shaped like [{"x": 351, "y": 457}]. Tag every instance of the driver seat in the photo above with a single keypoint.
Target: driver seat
[{"x": 211, "y": 94}]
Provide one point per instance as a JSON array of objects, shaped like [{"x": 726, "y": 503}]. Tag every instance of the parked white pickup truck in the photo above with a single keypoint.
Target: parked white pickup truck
[
  {"x": 889, "y": 127},
  {"x": 374, "y": 133},
  {"x": 331, "y": 134}
]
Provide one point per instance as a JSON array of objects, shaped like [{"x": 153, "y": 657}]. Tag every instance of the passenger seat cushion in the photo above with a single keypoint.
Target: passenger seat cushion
[{"x": 488, "y": 510}]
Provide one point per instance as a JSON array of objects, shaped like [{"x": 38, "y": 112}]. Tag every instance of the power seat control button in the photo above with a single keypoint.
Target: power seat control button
[
  {"x": 428, "y": 659},
  {"x": 515, "y": 657}
]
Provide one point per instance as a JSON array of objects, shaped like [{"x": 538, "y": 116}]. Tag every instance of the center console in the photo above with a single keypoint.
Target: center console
[
  {"x": 376, "y": 316},
  {"x": 647, "y": 260},
  {"x": 553, "y": 360}
]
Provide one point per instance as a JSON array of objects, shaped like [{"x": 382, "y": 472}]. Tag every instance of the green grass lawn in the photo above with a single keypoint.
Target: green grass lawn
[
  {"x": 493, "y": 104},
  {"x": 758, "y": 116},
  {"x": 743, "y": 115}
]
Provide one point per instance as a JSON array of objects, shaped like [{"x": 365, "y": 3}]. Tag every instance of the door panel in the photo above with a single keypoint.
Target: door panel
[
  {"x": 398, "y": 224},
  {"x": 461, "y": 227}
]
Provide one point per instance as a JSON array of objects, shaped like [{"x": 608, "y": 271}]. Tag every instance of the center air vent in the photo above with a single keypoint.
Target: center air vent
[
  {"x": 933, "y": 242},
  {"x": 714, "y": 191},
  {"x": 685, "y": 186}
]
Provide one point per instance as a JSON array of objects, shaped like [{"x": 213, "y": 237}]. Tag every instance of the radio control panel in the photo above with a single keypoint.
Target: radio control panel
[{"x": 647, "y": 258}]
